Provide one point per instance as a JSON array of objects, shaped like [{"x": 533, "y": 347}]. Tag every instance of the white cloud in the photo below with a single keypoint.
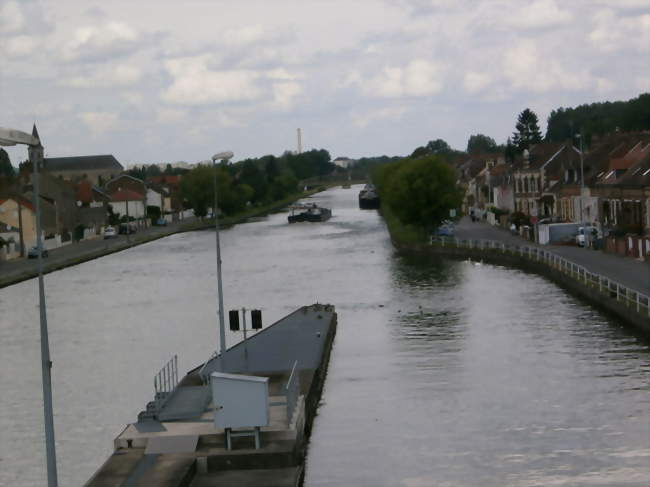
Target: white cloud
[
  {"x": 109, "y": 76},
  {"x": 642, "y": 83},
  {"x": 20, "y": 45},
  {"x": 623, "y": 3},
  {"x": 362, "y": 120},
  {"x": 475, "y": 82},
  {"x": 531, "y": 70},
  {"x": 171, "y": 115},
  {"x": 612, "y": 32},
  {"x": 418, "y": 78},
  {"x": 194, "y": 83},
  {"x": 99, "y": 122},
  {"x": 539, "y": 14},
  {"x": 604, "y": 85},
  {"x": 109, "y": 40},
  {"x": 12, "y": 19}
]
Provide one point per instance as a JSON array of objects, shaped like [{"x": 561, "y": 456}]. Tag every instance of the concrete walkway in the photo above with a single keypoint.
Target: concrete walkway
[{"x": 625, "y": 270}]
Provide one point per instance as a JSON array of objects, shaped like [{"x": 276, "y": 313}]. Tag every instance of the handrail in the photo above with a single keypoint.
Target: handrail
[
  {"x": 292, "y": 391},
  {"x": 605, "y": 285},
  {"x": 164, "y": 382}
]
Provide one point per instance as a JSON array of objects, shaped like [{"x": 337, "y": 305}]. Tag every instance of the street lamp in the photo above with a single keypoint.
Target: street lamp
[
  {"x": 582, "y": 194},
  {"x": 10, "y": 137},
  {"x": 221, "y": 156}
]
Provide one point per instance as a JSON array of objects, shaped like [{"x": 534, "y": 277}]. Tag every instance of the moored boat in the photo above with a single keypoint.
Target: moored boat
[
  {"x": 312, "y": 213},
  {"x": 368, "y": 197}
]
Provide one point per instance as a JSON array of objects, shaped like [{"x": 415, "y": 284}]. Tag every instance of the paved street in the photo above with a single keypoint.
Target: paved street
[
  {"x": 627, "y": 271},
  {"x": 16, "y": 269}
]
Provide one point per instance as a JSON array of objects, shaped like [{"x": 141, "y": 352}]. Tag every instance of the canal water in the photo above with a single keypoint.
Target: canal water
[{"x": 442, "y": 373}]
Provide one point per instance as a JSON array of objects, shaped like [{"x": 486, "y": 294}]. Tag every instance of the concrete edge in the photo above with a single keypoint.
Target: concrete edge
[{"x": 601, "y": 300}]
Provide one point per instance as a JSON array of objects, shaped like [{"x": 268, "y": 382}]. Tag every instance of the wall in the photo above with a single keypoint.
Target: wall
[{"x": 598, "y": 298}]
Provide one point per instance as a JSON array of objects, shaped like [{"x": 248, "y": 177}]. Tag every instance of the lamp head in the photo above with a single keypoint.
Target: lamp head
[{"x": 226, "y": 155}]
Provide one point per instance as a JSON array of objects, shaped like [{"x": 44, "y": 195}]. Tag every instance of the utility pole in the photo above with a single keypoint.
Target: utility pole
[{"x": 36, "y": 158}]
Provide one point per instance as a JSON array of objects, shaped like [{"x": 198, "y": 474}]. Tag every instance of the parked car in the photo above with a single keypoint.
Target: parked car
[
  {"x": 110, "y": 232},
  {"x": 160, "y": 222},
  {"x": 593, "y": 233},
  {"x": 445, "y": 230},
  {"x": 33, "y": 253}
]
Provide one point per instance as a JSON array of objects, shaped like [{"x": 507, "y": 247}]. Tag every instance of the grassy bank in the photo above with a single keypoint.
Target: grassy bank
[{"x": 403, "y": 236}]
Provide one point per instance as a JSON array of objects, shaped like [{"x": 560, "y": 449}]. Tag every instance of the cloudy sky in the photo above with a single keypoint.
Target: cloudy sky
[{"x": 167, "y": 80}]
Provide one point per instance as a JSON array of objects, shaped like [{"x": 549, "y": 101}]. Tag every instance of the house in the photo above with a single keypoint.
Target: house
[
  {"x": 18, "y": 220},
  {"x": 125, "y": 202},
  {"x": 623, "y": 184},
  {"x": 535, "y": 173},
  {"x": 97, "y": 169},
  {"x": 92, "y": 208},
  {"x": 125, "y": 181}
]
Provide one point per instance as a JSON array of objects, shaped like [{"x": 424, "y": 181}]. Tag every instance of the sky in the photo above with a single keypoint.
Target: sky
[{"x": 158, "y": 81}]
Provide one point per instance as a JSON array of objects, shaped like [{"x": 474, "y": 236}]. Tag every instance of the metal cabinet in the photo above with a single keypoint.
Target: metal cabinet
[{"x": 240, "y": 401}]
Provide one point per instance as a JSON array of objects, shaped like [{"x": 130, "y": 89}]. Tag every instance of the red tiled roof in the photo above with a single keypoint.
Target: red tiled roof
[
  {"x": 19, "y": 199},
  {"x": 126, "y": 195},
  {"x": 165, "y": 179},
  {"x": 84, "y": 191}
]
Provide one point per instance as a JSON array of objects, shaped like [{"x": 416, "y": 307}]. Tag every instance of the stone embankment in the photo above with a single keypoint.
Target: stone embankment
[{"x": 628, "y": 305}]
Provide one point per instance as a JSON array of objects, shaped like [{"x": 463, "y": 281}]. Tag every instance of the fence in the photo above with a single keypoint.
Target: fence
[{"x": 629, "y": 297}]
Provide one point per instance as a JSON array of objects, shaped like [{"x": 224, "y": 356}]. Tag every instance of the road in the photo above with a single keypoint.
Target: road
[
  {"x": 625, "y": 270},
  {"x": 16, "y": 270}
]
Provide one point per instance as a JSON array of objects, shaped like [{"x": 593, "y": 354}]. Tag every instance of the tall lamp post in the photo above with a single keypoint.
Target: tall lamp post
[
  {"x": 221, "y": 156},
  {"x": 35, "y": 150},
  {"x": 582, "y": 196}
]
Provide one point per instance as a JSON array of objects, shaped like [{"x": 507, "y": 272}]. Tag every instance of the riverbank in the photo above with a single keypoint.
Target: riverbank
[
  {"x": 615, "y": 285},
  {"x": 19, "y": 270}
]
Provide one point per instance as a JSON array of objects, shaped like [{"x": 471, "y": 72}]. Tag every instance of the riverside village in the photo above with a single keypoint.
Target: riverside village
[{"x": 239, "y": 251}]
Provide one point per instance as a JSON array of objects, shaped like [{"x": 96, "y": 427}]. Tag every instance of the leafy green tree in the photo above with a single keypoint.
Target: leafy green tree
[
  {"x": 197, "y": 188},
  {"x": 599, "y": 119},
  {"x": 254, "y": 177},
  {"x": 528, "y": 131},
  {"x": 420, "y": 191},
  {"x": 420, "y": 152},
  {"x": 439, "y": 146},
  {"x": 481, "y": 144},
  {"x": 6, "y": 169}
]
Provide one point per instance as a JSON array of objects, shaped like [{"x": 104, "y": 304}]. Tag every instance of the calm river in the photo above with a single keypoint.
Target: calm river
[{"x": 442, "y": 374}]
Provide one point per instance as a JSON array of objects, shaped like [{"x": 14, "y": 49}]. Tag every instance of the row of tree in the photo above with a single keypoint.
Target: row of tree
[{"x": 252, "y": 181}]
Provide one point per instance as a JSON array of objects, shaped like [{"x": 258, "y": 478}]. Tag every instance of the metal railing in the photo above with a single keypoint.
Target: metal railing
[
  {"x": 292, "y": 391},
  {"x": 164, "y": 382},
  {"x": 628, "y": 296}
]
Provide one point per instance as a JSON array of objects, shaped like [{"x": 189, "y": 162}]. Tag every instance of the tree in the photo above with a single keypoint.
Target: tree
[
  {"x": 480, "y": 144},
  {"x": 6, "y": 169},
  {"x": 528, "y": 131},
  {"x": 439, "y": 146},
  {"x": 420, "y": 191},
  {"x": 510, "y": 151}
]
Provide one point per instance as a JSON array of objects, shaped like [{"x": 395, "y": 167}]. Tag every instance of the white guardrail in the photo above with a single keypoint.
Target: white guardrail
[{"x": 631, "y": 298}]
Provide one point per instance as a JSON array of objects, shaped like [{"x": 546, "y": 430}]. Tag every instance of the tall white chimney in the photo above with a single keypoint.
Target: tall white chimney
[{"x": 299, "y": 141}]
